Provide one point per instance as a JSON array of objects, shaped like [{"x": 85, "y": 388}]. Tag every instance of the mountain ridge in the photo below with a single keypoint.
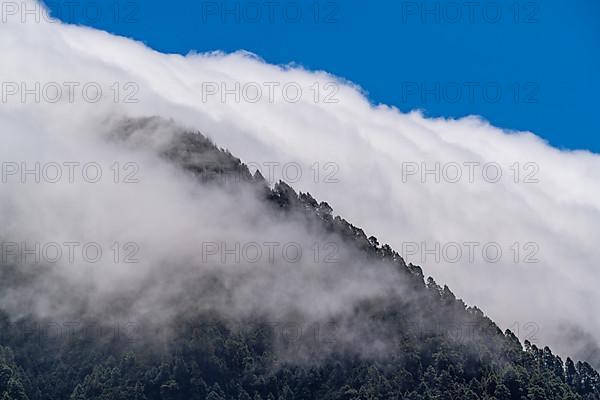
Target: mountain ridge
[{"x": 421, "y": 357}]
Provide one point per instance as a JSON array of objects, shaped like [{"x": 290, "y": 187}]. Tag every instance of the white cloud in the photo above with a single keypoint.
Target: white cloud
[{"x": 370, "y": 145}]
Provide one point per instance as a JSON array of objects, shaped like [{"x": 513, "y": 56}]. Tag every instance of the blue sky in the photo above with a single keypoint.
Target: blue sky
[{"x": 524, "y": 65}]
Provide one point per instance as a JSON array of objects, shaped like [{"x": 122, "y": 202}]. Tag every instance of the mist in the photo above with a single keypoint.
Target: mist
[{"x": 366, "y": 155}]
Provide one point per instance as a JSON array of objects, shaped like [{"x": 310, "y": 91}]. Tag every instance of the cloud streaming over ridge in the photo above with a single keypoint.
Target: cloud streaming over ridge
[{"x": 429, "y": 187}]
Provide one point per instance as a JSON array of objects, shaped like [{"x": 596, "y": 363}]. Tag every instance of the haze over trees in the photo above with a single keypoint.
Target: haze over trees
[{"x": 420, "y": 342}]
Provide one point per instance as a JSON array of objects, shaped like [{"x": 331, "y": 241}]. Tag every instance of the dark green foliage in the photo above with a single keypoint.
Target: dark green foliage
[{"x": 424, "y": 357}]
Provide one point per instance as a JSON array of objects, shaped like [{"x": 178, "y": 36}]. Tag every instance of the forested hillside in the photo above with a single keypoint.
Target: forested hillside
[{"x": 421, "y": 344}]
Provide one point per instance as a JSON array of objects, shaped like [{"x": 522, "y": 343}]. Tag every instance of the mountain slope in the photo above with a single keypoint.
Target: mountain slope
[{"x": 420, "y": 342}]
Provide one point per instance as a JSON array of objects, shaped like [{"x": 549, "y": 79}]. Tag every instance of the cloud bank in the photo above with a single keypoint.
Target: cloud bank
[{"x": 429, "y": 187}]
